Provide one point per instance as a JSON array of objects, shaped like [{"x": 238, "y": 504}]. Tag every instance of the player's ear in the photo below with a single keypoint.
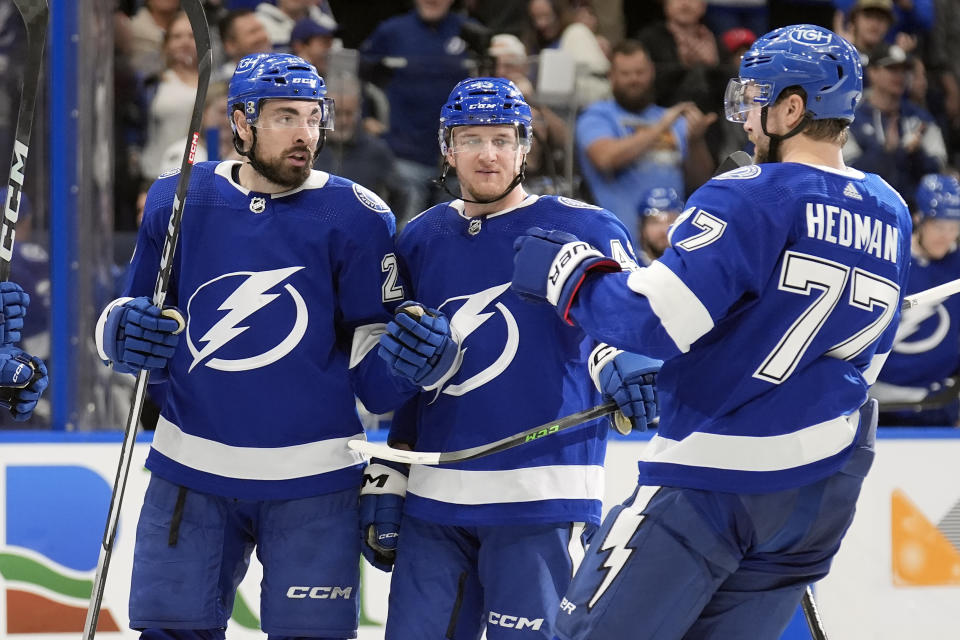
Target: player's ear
[
  {"x": 796, "y": 107},
  {"x": 242, "y": 127}
]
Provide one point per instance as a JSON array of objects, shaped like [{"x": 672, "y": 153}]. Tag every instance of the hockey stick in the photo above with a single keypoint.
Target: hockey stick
[
  {"x": 201, "y": 36},
  {"x": 386, "y": 452},
  {"x": 34, "y": 14},
  {"x": 812, "y": 614}
]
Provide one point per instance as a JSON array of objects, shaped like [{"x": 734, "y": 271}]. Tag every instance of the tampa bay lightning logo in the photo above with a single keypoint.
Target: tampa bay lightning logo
[
  {"x": 570, "y": 202},
  {"x": 742, "y": 173},
  {"x": 476, "y": 310},
  {"x": 907, "y": 340},
  {"x": 241, "y": 294},
  {"x": 369, "y": 199}
]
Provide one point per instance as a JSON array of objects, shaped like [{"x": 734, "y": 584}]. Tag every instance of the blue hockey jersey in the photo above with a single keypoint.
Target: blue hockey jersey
[
  {"x": 926, "y": 350},
  {"x": 285, "y": 296},
  {"x": 522, "y": 366},
  {"x": 774, "y": 309}
]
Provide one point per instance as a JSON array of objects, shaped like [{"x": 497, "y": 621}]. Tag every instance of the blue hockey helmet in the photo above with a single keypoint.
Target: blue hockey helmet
[
  {"x": 938, "y": 196},
  {"x": 263, "y": 76},
  {"x": 660, "y": 200},
  {"x": 486, "y": 101},
  {"x": 825, "y": 65}
]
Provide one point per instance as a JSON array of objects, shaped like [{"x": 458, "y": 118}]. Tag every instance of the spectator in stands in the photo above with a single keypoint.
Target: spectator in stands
[
  {"x": 350, "y": 151},
  {"x": 891, "y": 136},
  {"x": 216, "y": 134},
  {"x": 147, "y": 28},
  {"x": 241, "y": 33},
  {"x": 659, "y": 208},
  {"x": 725, "y": 15},
  {"x": 686, "y": 56},
  {"x": 867, "y": 24},
  {"x": 312, "y": 41},
  {"x": 173, "y": 100},
  {"x": 546, "y": 161},
  {"x": 554, "y": 27},
  {"x": 923, "y": 366},
  {"x": 945, "y": 70},
  {"x": 416, "y": 58},
  {"x": 279, "y": 17},
  {"x": 629, "y": 144}
]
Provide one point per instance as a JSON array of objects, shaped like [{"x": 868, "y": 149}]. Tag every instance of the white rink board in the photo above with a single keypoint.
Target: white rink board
[{"x": 858, "y": 600}]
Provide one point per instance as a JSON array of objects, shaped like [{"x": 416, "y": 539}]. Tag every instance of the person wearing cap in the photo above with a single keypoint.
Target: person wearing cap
[
  {"x": 923, "y": 367},
  {"x": 892, "y": 136},
  {"x": 312, "y": 41},
  {"x": 869, "y": 23}
]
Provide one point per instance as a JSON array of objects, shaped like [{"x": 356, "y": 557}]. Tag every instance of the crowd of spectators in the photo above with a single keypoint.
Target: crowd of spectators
[{"x": 627, "y": 96}]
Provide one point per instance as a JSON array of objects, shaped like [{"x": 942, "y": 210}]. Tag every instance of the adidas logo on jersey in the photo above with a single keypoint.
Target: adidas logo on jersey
[{"x": 851, "y": 192}]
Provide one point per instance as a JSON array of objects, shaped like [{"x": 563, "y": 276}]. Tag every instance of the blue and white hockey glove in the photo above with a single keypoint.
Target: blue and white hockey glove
[
  {"x": 22, "y": 380},
  {"x": 629, "y": 379},
  {"x": 137, "y": 335},
  {"x": 421, "y": 346},
  {"x": 13, "y": 308},
  {"x": 552, "y": 265},
  {"x": 381, "y": 505}
]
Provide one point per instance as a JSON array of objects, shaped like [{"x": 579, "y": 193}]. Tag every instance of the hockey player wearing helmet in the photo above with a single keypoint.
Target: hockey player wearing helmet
[
  {"x": 490, "y": 545},
  {"x": 774, "y": 309},
  {"x": 285, "y": 277},
  {"x": 918, "y": 384}
]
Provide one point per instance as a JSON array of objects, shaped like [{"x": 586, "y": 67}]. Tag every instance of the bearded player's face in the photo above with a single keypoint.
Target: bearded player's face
[{"x": 288, "y": 132}]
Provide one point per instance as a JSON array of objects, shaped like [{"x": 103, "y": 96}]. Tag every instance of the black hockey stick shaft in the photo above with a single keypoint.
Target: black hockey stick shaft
[
  {"x": 35, "y": 14},
  {"x": 812, "y": 614},
  {"x": 201, "y": 36},
  {"x": 544, "y": 430}
]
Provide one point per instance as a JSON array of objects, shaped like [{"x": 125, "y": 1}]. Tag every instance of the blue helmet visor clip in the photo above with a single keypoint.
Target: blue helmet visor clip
[{"x": 743, "y": 95}]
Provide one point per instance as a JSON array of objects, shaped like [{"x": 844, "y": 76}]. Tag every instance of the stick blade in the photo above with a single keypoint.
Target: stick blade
[{"x": 373, "y": 450}]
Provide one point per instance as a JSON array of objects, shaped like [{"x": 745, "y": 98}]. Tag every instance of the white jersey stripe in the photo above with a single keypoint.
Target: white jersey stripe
[
  {"x": 681, "y": 313},
  {"x": 757, "y": 453},
  {"x": 555, "y": 482},
  {"x": 253, "y": 463}
]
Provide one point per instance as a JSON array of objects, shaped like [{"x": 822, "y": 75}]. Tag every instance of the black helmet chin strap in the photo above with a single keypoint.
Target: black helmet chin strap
[
  {"x": 517, "y": 179},
  {"x": 773, "y": 154},
  {"x": 238, "y": 145}
]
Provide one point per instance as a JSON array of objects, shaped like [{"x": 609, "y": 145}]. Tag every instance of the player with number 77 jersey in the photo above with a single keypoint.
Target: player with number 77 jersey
[{"x": 774, "y": 309}]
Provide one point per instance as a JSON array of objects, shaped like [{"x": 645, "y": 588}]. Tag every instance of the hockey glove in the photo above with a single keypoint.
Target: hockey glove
[
  {"x": 551, "y": 266},
  {"x": 13, "y": 308},
  {"x": 381, "y": 505},
  {"x": 138, "y": 335},
  {"x": 630, "y": 380},
  {"x": 421, "y": 346},
  {"x": 22, "y": 380}
]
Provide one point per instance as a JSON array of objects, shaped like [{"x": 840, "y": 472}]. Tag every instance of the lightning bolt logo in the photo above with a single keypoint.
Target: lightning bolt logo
[
  {"x": 246, "y": 299},
  {"x": 622, "y": 530},
  {"x": 470, "y": 317},
  {"x": 911, "y": 320}
]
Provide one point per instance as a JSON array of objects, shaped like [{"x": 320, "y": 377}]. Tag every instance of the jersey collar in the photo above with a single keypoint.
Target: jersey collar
[{"x": 457, "y": 205}]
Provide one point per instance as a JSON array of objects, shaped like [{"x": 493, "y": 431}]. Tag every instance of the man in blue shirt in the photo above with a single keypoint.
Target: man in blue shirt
[{"x": 629, "y": 145}]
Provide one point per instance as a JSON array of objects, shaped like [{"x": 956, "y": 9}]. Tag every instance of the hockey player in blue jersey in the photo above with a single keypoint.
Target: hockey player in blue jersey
[
  {"x": 925, "y": 361},
  {"x": 774, "y": 310},
  {"x": 284, "y": 277},
  {"x": 490, "y": 545},
  {"x": 22, "y": 377}
]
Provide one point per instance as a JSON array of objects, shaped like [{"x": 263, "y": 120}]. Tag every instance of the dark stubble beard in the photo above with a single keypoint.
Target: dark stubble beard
[
  {"x": 279, "y": 173},
  {"x": 632, "y": 100}
]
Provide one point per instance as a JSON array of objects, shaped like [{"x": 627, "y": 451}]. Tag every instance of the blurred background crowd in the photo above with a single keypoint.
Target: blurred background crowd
[{"x": 627, "y": 96}]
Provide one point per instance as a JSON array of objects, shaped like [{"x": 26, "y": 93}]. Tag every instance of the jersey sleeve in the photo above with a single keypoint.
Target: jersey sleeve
[
  {"x": 370, "y": 286},
  {"x": 145, "y": 263},
  {"x": 723, "y": 249}
]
